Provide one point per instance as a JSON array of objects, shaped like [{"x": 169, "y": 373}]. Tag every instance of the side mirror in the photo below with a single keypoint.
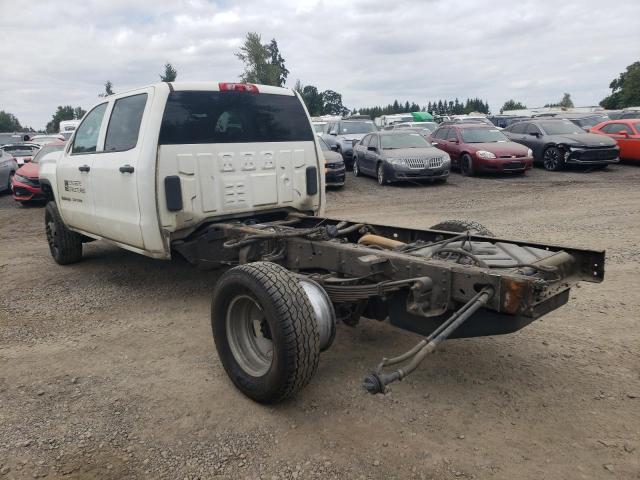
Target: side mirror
[
  {"x": 333, "y": 132},
  {"x": 623, "y": 133},
  {"x": 334, "y": 148},
  {"x": 534, "y": 134},
  {"x": 371, "y": 148},
  {"x": 453, "y": 140}
]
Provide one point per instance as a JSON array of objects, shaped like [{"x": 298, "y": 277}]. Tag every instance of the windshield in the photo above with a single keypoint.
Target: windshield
[
  {"x": 588, "y": 121},
  {"x": 46, "y": 150},
  {"x": 482, "y": 135},
  {"x": 356, "y": 127},
  {"x": 564, "y": 127},
  {"x": 403, "y": 140}
]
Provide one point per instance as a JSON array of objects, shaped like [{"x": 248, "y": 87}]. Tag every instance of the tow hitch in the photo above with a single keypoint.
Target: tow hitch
[{"x": 377, "y": 382}]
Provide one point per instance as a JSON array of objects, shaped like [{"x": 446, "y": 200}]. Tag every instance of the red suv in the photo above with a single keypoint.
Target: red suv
[{"x": 478, "y": 148}]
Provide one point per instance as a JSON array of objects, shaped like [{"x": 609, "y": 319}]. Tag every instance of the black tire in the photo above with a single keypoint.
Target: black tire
[
  {"x": 380, "y": 175},
  {"x": 356, "y": 168},
  {"x": 553, "y": 159},
  {"x": 286, "y": 318},
  {"x": 65, "y": 246},
  {"x": 466, "y": 165},
  {"x": 10, "y": 182},
  {"x": 460, "y": 226}
]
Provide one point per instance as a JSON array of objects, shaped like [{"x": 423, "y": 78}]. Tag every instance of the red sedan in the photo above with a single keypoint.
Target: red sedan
[
  {"x": 626, "y": 132},
  {"x": 26, "y": 182},
  {"x": 475, "y": 148}
]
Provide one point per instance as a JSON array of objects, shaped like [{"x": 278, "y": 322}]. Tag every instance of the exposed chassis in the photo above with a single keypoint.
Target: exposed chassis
[{"x": 414, "y": 292}]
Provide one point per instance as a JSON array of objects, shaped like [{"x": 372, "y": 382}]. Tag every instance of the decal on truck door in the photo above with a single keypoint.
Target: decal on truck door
[{"x": 74, "y": 186}]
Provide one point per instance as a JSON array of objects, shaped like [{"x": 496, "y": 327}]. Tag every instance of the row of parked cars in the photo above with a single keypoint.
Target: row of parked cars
[
  {"x": 20, "y": 165},
  {"x": 428, "y": 151}
]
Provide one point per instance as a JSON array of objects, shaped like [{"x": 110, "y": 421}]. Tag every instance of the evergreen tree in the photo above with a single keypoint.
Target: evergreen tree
[{"x": 170, "y": 73}]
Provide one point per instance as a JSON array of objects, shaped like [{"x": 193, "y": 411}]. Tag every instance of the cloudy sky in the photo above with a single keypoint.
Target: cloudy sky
[{"x": 62, "y": 52}]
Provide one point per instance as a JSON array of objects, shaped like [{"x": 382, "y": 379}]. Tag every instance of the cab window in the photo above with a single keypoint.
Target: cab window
[
  {"x": 124, "y": 124},
  {"x": 86, "y": 137}
]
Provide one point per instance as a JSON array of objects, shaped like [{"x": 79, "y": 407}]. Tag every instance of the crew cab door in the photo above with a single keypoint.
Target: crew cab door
[
  {"x": 115, "y": 171},
  {"x": 74, "y": 172}
]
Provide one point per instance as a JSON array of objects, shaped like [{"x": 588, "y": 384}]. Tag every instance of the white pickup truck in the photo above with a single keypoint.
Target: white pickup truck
[{"x": 229, "y": 174}]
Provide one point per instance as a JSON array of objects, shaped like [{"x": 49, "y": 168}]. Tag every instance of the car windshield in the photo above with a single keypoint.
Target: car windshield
[
  {"x": 482, "y": 135},
  {"x": 46, "y": 150},
  {"x": 356, "y": 127},
  {"x": 564, "y": 127},
  {"x": 589, "y": 121},
  {"x": 403, "y": 140}
]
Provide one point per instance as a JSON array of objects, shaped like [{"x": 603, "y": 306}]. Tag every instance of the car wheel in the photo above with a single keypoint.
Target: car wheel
[
  {"x": 466, "y": 165},
  {"x": 382, "y": 177},
  {"x": 10, "y": 182},
  {"x": 553, "y": 159},
  {"x": 460, "y": 226},
  {"x": 356, "y": 168},
  {"x": 265, "y": 331},
  {"x": 65, "y": 246}
]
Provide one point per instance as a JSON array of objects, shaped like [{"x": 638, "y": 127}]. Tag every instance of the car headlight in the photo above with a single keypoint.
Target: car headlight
[
  {"x": 484, "y": 154},
  {"x": 529, "y": 153},
  {"x": 396, "y": 161},
  {"x": 19, "y": 178}
]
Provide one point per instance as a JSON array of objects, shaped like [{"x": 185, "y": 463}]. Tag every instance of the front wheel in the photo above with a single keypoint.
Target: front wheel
[
  {"x": 265, "y": 331},
  {"x": 356, "y": 167},
  {"x": 65, "y": 246},
  {"x": 466, "y": 165},
  {"x": 553, "y": 159},
  {"x": 382, "y": 177}
]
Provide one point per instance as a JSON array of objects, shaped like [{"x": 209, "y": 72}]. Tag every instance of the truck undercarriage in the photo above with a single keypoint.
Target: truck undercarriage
[{"x": 439, "y": 284}]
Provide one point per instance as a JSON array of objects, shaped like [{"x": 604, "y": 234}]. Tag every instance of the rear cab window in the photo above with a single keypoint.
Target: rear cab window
[
  {"x": 201, "y": 117},
  {"x": 124, "y": 124}
]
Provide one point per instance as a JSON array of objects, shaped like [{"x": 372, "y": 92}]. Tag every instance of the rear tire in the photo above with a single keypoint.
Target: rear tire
[
  {"x": 460, "y": 226},
  {"x": 466, "y": 165},
  {"x": 265, "y": 331},
  {"x": 65, "y": 246}
]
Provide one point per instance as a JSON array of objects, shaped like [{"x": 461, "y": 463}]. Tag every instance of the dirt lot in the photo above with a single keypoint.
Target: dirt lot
[{"x": 107, "y": 367}]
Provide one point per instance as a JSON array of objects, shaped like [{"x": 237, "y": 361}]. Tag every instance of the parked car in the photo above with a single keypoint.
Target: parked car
[
  {"x": 334, "y": 170},
  {"x": 503, "y": 121},
  {"x": 44, "y": 139},
  {"x": 626, "y": 133},
  {"x": 26, "y": 181},
  {"x": 23, "y": 152},
  {"x": 8, "y": 167},
  {"x": 397, "y": 156},
  {"x": 626, "y": 114},
  {"x": 343, "y": 134},
  {"x": 559, "y": 142},
  {"x": 431, "y": 126},
  {"x": 475, "y": 148}
]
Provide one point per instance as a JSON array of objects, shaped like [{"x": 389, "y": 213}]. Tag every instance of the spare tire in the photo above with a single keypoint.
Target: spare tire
[{"x": 460, "y": 226}]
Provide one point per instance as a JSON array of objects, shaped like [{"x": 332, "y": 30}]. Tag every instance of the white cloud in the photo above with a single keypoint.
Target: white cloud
[{"x": 370, "y": 51}]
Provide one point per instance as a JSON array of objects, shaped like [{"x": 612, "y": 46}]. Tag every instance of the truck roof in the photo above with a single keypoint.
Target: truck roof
[{"x": 213, "y": 86}]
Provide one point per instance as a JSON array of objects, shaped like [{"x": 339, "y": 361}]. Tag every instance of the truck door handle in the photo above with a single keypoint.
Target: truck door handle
[
  {"x": 126, "y": 169},
  {"x": 84, "y": 168}
]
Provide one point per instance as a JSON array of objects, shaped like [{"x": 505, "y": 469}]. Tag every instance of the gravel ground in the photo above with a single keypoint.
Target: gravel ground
[{"x": 107, "y": 367}]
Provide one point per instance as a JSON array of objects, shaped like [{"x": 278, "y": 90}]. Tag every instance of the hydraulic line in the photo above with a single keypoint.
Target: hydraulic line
[{"x": 377, "y": 382}]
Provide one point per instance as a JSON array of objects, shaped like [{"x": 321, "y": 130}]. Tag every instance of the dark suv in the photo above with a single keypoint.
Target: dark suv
[
  {"x": 559, "y": 142},
  {"x": 342, "y": 135}
]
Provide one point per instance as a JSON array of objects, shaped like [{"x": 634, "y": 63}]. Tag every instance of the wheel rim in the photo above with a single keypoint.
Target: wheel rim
[
  {"x": 249, "y": 335},
  {"x": 380, "y": 175},
  {"x": 355, "y": 168},
  {"x": 551, "y": 159},
  {"x": 52, "y": 237}
]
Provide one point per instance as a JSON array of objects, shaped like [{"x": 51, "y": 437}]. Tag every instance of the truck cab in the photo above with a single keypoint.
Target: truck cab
[{"x": 149, "y": 166}]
